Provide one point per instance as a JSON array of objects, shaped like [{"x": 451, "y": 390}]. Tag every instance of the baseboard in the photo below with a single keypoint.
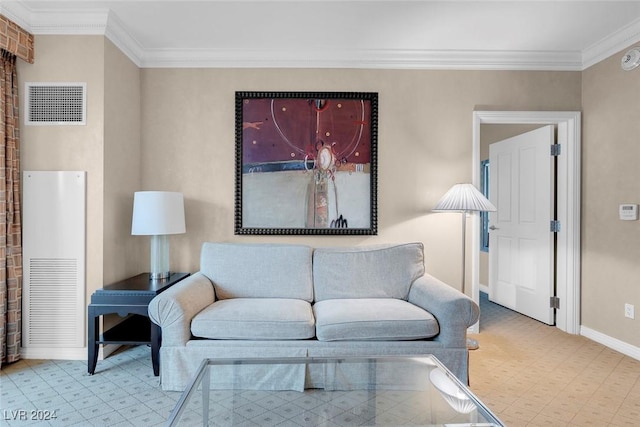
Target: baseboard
[
  {"x": 483, "y": 288},
  {"x": 613, "y": 343},
  {"x": 610, "y": 342},
  {"x": 106, "y": 350},
  {"x": 76, "y": 353},
  {"x": 65, "y": 353}
]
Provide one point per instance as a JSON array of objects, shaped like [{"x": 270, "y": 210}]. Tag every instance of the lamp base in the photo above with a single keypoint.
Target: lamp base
[
  {"x": 159, "y": 276},
  {"x": 159, "y": 257}
]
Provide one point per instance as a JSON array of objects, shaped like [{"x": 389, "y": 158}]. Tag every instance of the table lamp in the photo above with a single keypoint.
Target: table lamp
[
  {"x": 158, "y": 214},
  {"x": 464, "y": 198}
]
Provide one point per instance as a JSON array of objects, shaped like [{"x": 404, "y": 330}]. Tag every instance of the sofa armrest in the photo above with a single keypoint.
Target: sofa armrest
[
  {"x": 174, "y": 308},
  {"x": 453, "y": 310}
]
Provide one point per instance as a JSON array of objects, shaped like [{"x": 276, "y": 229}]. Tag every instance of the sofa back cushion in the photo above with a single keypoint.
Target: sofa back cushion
[
  {"x": 240, "y": 270},
  {"x": 367, "y": 272}
]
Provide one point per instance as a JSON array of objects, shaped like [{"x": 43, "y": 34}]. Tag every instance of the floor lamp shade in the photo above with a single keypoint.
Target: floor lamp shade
[
  {"x": 158, "y": 214},
  {"x": 464, "y": 198}
]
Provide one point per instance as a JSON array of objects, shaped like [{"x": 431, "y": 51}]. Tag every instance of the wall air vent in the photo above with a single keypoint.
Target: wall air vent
[
  {"x": 54, "y": 260},
  {"x": 55, "y": 103}
]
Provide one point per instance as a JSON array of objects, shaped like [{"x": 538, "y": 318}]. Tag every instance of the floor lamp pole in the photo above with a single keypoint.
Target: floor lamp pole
[
  {"x": 464, "y": 248},
  {"x": 471, "y": 343}
]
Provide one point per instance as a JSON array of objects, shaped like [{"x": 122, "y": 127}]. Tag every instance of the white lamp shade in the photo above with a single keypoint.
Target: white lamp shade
[
  {"x": 464, "y": 198},
  {"x": 157, "y": 213}
]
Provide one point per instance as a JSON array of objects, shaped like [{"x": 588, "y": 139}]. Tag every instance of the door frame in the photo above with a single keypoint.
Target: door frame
[{"x": 568, "y": 207}]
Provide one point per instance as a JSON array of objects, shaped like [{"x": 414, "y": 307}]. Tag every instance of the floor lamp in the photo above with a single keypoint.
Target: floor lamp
[{"x": 464, "y": 198}]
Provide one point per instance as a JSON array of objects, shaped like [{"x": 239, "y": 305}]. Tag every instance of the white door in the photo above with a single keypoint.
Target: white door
[{"x": 521, "y": 244}]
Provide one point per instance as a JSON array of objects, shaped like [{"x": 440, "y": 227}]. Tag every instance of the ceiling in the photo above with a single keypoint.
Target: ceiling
[{"x": 418, "y": 34}]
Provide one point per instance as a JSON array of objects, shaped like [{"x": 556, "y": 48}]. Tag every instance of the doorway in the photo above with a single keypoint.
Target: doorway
[{"x": 568, "y": 207}]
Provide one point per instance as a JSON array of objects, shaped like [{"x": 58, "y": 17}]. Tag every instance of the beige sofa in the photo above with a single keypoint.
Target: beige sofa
[{"x": 268, "y": 300}]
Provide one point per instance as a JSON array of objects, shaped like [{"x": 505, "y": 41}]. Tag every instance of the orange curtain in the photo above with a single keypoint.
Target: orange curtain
[{"x": 10, "y": 218}]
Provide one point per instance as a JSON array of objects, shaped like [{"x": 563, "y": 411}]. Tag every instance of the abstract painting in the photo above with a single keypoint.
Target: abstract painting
[{"x": 306, "y": 163}]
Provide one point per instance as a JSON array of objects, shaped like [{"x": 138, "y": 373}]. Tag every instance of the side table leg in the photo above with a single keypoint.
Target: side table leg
[
  {"x": 156, "y": 334},
  {"x": 92, "y": 347}
]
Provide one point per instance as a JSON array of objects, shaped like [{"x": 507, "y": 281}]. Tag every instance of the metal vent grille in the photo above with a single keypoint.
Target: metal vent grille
[
  {"x": 52, "y": 300},
  {"x": 56, "y": 103},
  {"x": 54, "y": 257}
]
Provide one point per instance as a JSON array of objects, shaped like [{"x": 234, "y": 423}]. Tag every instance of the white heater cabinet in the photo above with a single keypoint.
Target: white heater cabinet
[{"x": 53, "y": 239}]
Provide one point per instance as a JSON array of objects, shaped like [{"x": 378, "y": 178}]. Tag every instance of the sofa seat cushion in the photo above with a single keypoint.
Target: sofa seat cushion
[
  {"x": 372, "y": 319},
  {"x": 255, "y": 319}
]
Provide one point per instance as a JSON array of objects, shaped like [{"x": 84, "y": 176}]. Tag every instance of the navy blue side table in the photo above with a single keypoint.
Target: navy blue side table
[{"x": 129, "y": 296}]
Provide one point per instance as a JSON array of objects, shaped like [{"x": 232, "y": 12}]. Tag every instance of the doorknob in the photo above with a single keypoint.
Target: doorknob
[{"x": 493, "y": 227}]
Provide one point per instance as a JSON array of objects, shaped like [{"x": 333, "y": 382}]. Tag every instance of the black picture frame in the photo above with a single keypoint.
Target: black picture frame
[{"x": 306, "y": 163}]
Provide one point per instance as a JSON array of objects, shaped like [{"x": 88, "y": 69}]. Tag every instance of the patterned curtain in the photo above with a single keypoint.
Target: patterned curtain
[{"x": 10, "y": 218}]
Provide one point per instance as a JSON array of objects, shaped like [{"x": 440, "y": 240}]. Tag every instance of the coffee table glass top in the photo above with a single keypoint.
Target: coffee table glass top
[{"x": 382, "y": 391}]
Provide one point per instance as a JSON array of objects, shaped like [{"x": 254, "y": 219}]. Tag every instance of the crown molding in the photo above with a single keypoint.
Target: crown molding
[
  {"x": 55, "y": 21},
  {"x": 17, "y": 13},
  {"x": 104, "y": 22},
  {"x": 117, "y": 32},
  {"x": 611, "y": 44},
  {"x": 361, "y": 58}
]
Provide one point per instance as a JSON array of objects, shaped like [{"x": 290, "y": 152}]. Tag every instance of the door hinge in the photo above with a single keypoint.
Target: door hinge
[
  {"x": 554, "y": 302},
  {"x": 554, "y": 226},
  {"x": 555, "y": 150}
]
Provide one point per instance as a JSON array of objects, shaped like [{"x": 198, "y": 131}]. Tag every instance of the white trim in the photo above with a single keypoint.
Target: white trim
[
  {"x": 119, "y": 35},
  {"x": 75, "y": 353},
  {"x": 18, "y": 13},
  {"x": 69, "y": 22},
  {"x": 568, "y": 251},
  {"x": 610, "y": 342},
  {"x": 611, "y": 44},
  {"x": 613, "y": 343},
  {"x": 363, "y": 58},
  {"x": 83, "y": 21}
]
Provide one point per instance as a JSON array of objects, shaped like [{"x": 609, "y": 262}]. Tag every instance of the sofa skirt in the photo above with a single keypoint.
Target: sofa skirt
[{"x": 178, "y": 365}]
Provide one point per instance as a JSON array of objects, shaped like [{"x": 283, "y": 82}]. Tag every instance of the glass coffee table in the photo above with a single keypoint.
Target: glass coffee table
[{"x": 390, "y": 391}]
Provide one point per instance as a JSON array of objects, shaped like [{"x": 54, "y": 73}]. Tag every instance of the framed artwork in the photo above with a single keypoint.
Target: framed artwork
[{"x": 306, "y": 163}]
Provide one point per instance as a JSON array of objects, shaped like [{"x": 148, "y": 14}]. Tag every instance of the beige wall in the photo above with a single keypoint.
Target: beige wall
[
  {"x": 186, "y": 128},
  {"x": 610, "y": 176},
  {"x": 424, "y": 145},
  {"x": 72, "y": 59},
  {"x": 124, "y": 254},
  {"x": 108, "y": 147}
]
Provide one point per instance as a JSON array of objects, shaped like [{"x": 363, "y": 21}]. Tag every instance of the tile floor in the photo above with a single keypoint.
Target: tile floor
[
  {"x": 123, "y": 392},
  {"x": 528, "y": 373}
]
